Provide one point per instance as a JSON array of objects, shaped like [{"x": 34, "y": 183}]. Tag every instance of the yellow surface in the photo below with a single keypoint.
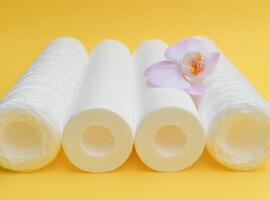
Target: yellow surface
[{"x": 241, "y": 29}]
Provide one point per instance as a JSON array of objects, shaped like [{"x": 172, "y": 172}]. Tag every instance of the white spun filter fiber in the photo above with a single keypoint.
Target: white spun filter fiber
[
  {"x": 235, "y": 117},
  {"x": 169, "y": 134},
  {"x": 99, "y": 136},
  {"x": 35, "y": 111}
]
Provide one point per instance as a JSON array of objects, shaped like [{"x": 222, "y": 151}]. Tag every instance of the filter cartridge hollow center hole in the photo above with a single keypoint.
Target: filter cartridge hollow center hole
[
  {"x": 246, "y": 137},
  {"x": 97, "y": 140},
  {"x": 170, "y": 140},
  {"x": 21, "y": 140}
]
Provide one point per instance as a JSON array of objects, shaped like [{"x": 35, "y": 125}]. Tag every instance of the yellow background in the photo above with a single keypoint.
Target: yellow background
[{"x": 240, "y": 28}]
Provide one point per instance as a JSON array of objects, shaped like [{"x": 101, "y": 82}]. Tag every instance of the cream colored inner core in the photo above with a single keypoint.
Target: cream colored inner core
[
  {"x": 97, "y": 140},
  {"x": 21, "y": 140},
  {"x": 169, "y": 141},
  {"x": 246, "y": 137}
]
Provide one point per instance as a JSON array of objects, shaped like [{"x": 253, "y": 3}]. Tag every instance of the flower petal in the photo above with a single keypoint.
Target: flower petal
[
  {"x": 210, "y": 62},
  {"x": 166, "y": 64},
  {"x": 196, "y": 100},
  {"x": 166, "y": 74},
  {"x": 177, "y": 51},
  {"x": 197, "y": 89}
]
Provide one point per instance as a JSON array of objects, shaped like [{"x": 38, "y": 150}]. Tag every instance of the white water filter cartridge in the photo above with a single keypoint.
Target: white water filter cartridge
[
  {"x": 236, "y": 117},
  {"x": 169, "y": 134},
  {"x": 99, "y": 137},
  {"x": 35, "y": 111}
]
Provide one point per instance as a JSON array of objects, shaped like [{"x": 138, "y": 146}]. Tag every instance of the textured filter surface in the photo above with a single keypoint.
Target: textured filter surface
[
  {"x": 99, "y": 136},
  {"x": 169, "y": 134},
  {"x": 235, "y": 116},
  {"x": 35, "y": 111}
]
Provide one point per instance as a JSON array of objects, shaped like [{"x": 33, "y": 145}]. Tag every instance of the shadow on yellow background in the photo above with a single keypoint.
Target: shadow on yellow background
[
  {"x": 132, "y": 164},
  {"x": 240, "y": 28}
]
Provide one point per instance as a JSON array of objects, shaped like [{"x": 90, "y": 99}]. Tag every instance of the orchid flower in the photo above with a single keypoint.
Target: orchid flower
[{"x": 187, "y": 64}]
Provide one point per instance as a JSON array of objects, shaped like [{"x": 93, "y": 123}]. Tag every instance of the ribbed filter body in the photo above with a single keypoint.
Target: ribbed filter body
[
  {"x": 235, "y": 116},
  {"x": 99, "y": 136},
  {"x": 35, "y": 111},
  {"x": 169, "y": 134}
]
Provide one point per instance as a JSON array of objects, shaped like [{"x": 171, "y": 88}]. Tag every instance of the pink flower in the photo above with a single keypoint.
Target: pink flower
[{"x": 187, "y": 63}]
